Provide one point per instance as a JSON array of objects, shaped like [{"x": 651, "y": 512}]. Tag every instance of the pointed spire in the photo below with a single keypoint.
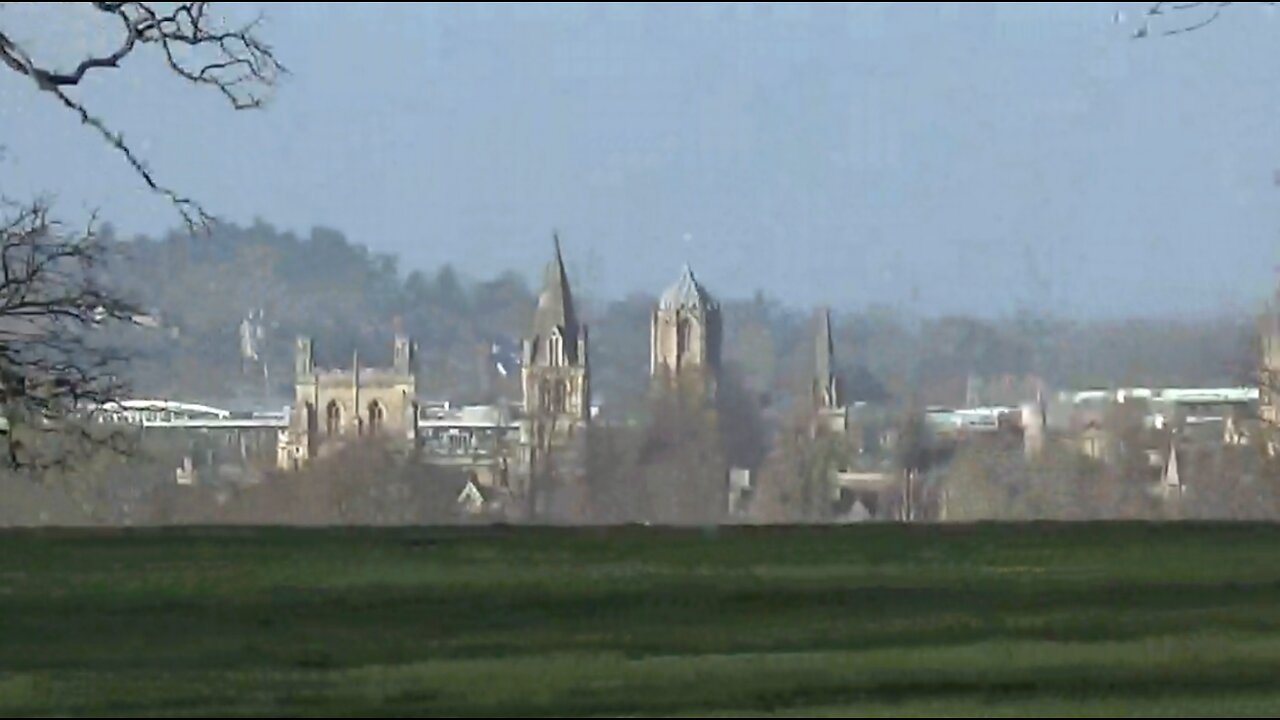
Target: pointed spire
[
  {"x": 826, "y": 384},
  {"x": 555, "y": 302},
  {"x": 825, "y": 347},
  {"x": 1172, "y": 479},
  {"x": 555, "y": 306}
]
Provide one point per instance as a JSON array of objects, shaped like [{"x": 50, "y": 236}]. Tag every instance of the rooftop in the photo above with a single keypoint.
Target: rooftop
[{"x": 687, "y": 293}]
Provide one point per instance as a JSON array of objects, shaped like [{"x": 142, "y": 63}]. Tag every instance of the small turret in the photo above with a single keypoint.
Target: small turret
[{"x": 304, "y": 357}]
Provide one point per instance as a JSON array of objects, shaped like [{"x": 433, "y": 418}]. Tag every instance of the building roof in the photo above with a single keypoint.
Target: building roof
[
  {"x": 1180, "y": 396},
  {"x": 555, "y": 302},
  {"x": 687, "y": 293}
]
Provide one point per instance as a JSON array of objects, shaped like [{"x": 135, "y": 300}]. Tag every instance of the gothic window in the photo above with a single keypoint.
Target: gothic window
[
  {"x": 555, "y": 349},
  {"x": 332, "y": 418},
  {"x": 458, "y": 443},
  {"x": 376, "y": 417}
]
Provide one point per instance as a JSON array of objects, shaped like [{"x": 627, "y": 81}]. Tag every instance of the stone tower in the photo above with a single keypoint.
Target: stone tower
[
  {"x": 832, "y": 415},
  {"x": 404, "y": 355},
  {"x": 556, "y": 379},
  {"x": 684, "y": 336}
]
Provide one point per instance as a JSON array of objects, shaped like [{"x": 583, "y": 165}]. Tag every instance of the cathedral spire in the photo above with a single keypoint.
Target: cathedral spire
[
  {"x": 825, "y": 383},
  {"x": 555, "y": 302}
]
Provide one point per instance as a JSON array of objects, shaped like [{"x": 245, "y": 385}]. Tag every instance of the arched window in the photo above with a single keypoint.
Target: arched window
[
  {"x": 555, "y": 349},
  {"x": 332, "y": 418},
  {"x": 377, "y": 417}
]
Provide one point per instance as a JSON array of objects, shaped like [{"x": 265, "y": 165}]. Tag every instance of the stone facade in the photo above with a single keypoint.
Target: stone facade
[
  {"x": 333, "y": 407},
  {"x": 685, "y": 336}
]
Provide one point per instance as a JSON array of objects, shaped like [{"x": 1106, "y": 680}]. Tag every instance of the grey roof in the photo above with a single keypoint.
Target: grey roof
[
  {"x": 687, "y": 293},
  {"x": 555, "y": 302}
]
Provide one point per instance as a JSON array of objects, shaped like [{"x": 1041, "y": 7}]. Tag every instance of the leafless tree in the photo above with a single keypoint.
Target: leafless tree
[
  {"x": 797, "y": 484},
  {"x": 194, "y": 43},
  {"x": 364, "y": 483},
  {"x": 915, "y": 454},
  {"x": 56, "y": 318},
  {"x": 56, "y": 314}
]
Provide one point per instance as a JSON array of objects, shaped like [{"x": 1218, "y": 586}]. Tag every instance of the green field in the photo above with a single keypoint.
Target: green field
[{"x": 884, "y": 620}]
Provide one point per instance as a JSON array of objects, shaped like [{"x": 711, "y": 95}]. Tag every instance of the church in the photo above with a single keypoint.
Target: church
[
  {"x": 333, "y": 407},
  {"x": 555, "y": 374}
]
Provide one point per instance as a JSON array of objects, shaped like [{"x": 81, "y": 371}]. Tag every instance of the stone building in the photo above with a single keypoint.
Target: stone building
[
  {"x": 685, "y": 336},
  {"x": 556, "y": 380},
  {"x": 333, "y": 407}
]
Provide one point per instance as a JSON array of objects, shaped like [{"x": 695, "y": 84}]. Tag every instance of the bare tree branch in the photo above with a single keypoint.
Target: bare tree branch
[
  {"x": 195, "y": 46},
  {"x": 56, "y": 324},
  {"x": 1183, "y": 17},
  {"x": 57, "y": 364}
]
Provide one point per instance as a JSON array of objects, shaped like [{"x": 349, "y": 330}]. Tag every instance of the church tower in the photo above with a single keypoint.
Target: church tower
[
  {"x": 554, "y": 369},
  {"x": 684, "y": 336},
  {"x": 832, "y": 415},
  {"x": 556, "y": 380}
]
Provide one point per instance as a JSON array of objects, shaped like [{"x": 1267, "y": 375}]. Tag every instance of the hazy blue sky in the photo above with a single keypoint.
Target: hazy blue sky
[{"x": 941, "y": 158}]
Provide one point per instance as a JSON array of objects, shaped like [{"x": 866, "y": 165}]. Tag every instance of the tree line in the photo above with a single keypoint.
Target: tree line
[{"x": 201, "y": 287}]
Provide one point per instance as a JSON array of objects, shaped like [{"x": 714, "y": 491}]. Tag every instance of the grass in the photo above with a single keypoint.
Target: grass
[{"x": 1105, "y": 620}]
